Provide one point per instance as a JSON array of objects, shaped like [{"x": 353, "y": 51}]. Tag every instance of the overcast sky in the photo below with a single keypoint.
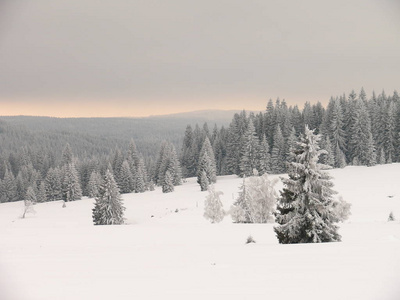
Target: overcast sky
[{"x": 136, "y": 58}]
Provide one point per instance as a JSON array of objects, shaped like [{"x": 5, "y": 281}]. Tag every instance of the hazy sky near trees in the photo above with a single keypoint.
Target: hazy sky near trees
[{"x": 142, "y": 57}]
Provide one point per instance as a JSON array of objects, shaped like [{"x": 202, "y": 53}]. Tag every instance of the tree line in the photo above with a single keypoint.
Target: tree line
[{"x": 355, "y": 130}]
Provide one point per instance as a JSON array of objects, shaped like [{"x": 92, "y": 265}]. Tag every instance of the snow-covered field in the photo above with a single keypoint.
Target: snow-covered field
[{"x": 168, "y": 250}]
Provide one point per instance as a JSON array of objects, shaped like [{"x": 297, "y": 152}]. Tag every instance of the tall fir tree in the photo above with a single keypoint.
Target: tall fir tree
[
  {"x": 8, "y": 188},
  {"x": 278, "y": 159},
  {"x": 336, "y": 133},
  {"x": 125, "y": 178},
  {"x": 361, "y": 144},
  {"x": 264, "y": 158},
  {"x": 249, "y": 158},
  {"x": 167, "y": 185},
  {"x": 41, "y": 192},
  {"x": 207, "y": 162},
  {"x": 94, "y": 184},
  {"x": 53, "y": 184},
  {"x": 71, "y": 186},
  {"x": 187, "y": 155},
  {"x": 304, "y": 211}
]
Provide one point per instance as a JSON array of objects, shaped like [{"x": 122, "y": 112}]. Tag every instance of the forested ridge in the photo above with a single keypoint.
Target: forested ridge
[
  {"x": 355, "y": 130},
  {"x": 53, "y": 155}
]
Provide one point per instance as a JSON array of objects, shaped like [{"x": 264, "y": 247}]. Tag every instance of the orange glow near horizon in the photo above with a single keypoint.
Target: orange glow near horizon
[{"x": 122, "y": 107}]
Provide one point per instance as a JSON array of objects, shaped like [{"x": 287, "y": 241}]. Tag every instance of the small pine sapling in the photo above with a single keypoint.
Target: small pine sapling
[
  {"x": 250, "y": 240},
  {"x": 213, "y": 209},
  {"x": 28, "y": 208},
  {"x": 391, "y": 217},
  {"x": 341, "y": 209}
]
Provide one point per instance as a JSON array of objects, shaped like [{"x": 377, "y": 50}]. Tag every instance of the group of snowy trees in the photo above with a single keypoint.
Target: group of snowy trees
[
  {"x": 69, "y": 178},
  {"x": 306, "y": 211},
  {"x": 256, "y": 201},
  {"x": 355, "y": 131}
]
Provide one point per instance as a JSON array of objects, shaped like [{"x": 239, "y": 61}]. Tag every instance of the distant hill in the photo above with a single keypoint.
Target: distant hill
[{"x": 148, "y": 132}]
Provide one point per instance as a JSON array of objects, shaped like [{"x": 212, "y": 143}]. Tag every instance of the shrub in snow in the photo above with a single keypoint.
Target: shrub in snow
[
  {"x": 28, "y": 208},
  {"x": 304, "y": 211},
  {"x": 391, "y": 217},
  {"x": 341, "y": 209},
  {"x": 250, "y": 240},
  {"x": 256, "y": 202},
  {"x": 213, "y": 210},
  {"x": 108, "y": 209}
]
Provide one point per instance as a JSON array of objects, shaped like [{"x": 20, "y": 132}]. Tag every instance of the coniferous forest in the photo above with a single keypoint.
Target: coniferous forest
[{"x": 47, "y": 165}]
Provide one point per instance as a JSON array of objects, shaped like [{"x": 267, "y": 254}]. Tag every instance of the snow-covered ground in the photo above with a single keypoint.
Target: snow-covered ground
[{"x": 168, "y": 250}]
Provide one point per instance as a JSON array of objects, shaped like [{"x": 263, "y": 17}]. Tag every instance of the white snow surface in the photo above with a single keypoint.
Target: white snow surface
[{"x": 59, "y": 254}]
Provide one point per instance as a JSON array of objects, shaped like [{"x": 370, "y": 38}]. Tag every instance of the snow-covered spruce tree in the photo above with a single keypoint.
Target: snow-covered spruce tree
[
  {"x": 381, "y": 157},
  {"x": 304, "y": 211},
  {"x": 256, "y": 202},
  {"x": 337, "y": 135},
  {"x": 53, "y": 185},
  {"x": 108, "y": 209},
  {"x": 41, "y": 193},
  {"x": 168, "y": 185},
  {"x": 204, "y": 183},
  {"x": 71, "y": 187},
  {"x": 31, "y": 195},
  {"x": 125, "y": 178},
  {"x": 66, "y": 156},
  {"x": 327, "y": 158},
  {"x": 264, "y": 158},
  {"x": 8, "y": 189},
  {"x": 213, "y": 209},
  {"x": 174, "y": 168},
  {"x": 249, "y": 156},
  {"x": 168, "y": 161},
  {"x": 187, "y": 158},
  {"x": 207, "y": 163},
  {"x": 278, "y": 153},
  {"x": 94, "y": 184},
  {"x": 361, "y": 144},
  {"x": 240, "y": 211}
]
